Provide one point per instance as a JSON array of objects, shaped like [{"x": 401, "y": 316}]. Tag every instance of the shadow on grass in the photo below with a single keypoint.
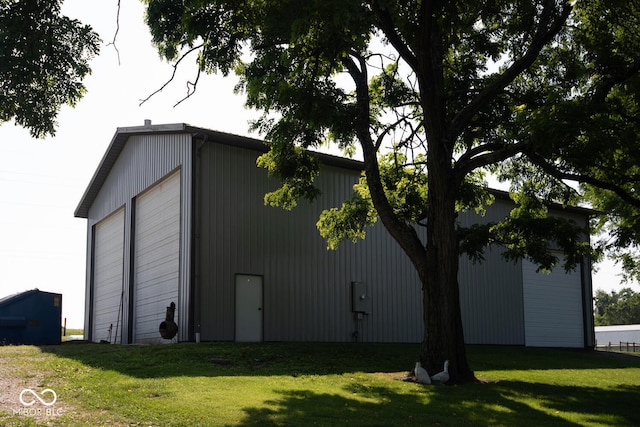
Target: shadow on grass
[
  {"x": 505, "y": 403},
  {"x": 379, "y": 400},
  {"x": 230, "y": 359}
]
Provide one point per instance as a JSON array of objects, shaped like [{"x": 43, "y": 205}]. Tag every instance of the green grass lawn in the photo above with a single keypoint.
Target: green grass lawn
[
  {"x": 274, "y": 384},
  {"x": 72, "y": 332}
]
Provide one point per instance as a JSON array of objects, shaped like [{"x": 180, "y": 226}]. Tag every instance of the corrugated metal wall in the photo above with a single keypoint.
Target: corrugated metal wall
[
  {"x": 615, "y": 334},
  {"x": 552, "y": 307},
  {"x": 491, "y": 291},
  {"x": 307, "y": 289},
  {"x": 495, "y": 295},
  {"x": 145, "y": 160}
]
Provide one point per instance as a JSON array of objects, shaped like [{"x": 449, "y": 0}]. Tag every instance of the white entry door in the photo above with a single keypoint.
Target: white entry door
[{"x": 248, "y": 308}]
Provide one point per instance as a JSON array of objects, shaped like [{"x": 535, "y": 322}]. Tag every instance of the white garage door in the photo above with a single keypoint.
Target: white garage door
[
  {"x": 107, "y": 277},
  {"x": 552, "y": 307},
  {"x": 157, "y": 257}
]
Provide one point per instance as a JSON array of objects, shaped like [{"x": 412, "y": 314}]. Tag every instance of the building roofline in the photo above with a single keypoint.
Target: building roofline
[
  {"x": 617, "y": 328},
  {"x": 122, "y": 134},
  {"x": 581, "y": 210},
  {"x": 10, "y": 299}
]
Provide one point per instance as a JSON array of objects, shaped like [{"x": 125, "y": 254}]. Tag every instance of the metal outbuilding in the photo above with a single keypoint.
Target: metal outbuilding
[
  {"x": 175, "y": 214},
  {"x": 32, "y": 317},
  {"x": 615, "y": 334}
]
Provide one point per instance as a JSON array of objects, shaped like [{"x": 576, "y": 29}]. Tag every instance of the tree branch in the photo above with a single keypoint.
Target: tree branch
[
  {"x": 606, "y": 85},
  {"x": 547, "y": 29},
  {"x": 485, "y": 155},
  {"x": 115, "y": 35},
  {"x": 403, "y": 233},
  {"x": 191, "y": 89},
  {"x": 390, "y": 31},
  {"x": 582, "y": 178},
  {"x": 173, "y": 75}
]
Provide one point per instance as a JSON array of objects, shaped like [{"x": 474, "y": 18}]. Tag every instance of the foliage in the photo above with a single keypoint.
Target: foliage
[
  {"x": 296, "y": 169},
  {"x": 536, "y": 128},
  {"x": 590, "y": 134},
  {"x": 315, "y": 384},
  {"x": 44, "y": 57},
  {"x": 617, "y": 308},
  {"x": 405, "y": 188},
  {"x": 434, "y": 95}
]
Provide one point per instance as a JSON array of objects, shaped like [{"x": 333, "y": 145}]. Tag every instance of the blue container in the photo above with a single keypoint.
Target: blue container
[{"x": 32, "y": 317}]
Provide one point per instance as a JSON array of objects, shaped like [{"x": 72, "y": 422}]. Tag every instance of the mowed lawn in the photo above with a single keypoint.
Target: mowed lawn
[{"x": 293, "y": 384}]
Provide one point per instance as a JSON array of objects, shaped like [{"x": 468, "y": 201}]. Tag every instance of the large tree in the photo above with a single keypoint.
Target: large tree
[
  {"x": 44, "y": 56},
  {"x": 617, "y": 308},
  {"x": 433, "y": 94}
]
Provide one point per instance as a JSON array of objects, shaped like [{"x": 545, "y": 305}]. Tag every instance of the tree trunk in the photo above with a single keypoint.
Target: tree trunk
[
  {"x": 437, "y": 261},
  {"x": 443, "y": 335}
]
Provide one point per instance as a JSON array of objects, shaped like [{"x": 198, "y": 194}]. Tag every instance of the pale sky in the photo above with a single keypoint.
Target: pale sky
[{"x": 42, "y": 245}]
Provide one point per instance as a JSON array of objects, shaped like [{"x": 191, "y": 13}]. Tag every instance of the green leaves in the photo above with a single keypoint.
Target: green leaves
[
  {"x": 296, "y": 169},
  {"x": 349, "y": 222},
  {"x": 44, "y": 57},
  {"x": 530, "y": 232},
  {"x": 617, "y": 308},
  {"x": 542, "y": 94},
  {"x": 405, "y": 188}
]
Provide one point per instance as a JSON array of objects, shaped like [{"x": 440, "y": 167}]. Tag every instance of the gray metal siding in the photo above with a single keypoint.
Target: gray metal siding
[
  {"x": 145, "y": 160},
  {"x": 509, "y": 303},
  {"x": 491, "y": 291},
  {"x": 307, "y": 289},
  {"x": 552, "y": 307},
  {"x": 491, "y": 301},
  {"x": 615, "y": 334}
]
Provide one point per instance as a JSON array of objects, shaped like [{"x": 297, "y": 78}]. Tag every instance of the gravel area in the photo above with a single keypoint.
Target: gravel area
[{"x": 13, "y": 383}]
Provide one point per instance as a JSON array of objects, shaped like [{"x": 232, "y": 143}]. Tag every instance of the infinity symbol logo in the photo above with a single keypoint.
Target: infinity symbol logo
[{"x": 34, "y": 394}]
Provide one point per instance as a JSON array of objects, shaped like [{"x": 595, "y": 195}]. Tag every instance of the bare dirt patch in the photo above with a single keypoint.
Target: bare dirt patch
[
  {"x": 392, "y": 375},
  {"x": 16, "y": 378}
]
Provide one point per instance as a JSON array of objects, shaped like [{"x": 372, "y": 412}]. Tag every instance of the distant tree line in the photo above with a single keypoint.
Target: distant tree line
[{"x": 617, "y": 308}]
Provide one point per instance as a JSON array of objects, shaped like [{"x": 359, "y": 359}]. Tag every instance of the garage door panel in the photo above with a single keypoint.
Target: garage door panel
[
  {"x": 107, "y": 275},
  {"x": 552, "y": 307},
  {"x": 157, "y": 262}
]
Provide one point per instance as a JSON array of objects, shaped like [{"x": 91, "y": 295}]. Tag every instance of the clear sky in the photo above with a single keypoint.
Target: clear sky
[{"x": 42, "y": 245}]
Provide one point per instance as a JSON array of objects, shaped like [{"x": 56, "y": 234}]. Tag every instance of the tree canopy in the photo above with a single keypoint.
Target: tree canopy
[
  {"x": 617, "y": 308},
  {"x": 434, "y": 95},
  {"x": 44, "y": 57}
]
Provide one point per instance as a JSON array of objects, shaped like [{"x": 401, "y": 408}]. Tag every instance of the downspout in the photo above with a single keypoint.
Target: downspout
[
  {"x": 131, "y": 266},
  {"x": 195, "y": 248},
  {"x": 587, "y": 299},
  {"x": 88, "y": 333}
]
